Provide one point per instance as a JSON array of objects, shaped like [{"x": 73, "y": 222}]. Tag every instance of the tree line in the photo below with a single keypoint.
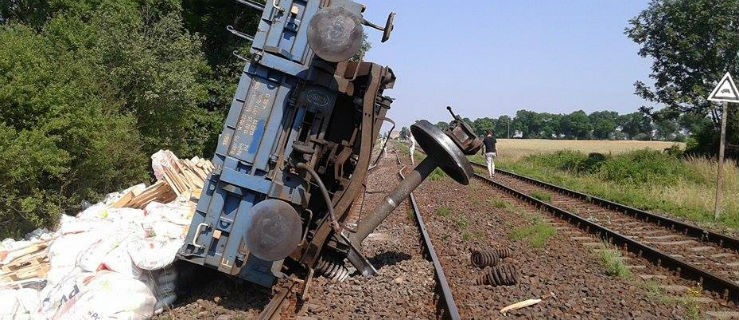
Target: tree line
[
  {"x": 578, "y": 125},
  {"x": 90, "y": 88}
]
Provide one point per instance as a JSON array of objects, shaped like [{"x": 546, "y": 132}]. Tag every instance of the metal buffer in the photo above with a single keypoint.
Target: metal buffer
[{"x": 445, "y": 150}]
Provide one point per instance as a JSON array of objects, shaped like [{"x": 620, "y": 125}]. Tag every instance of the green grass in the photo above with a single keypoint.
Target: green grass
[
  {"x": 437, "y": 175},
  {"x": 443, "y": 212},
  {"x": 403, "y": 150},
  {"x": 541, "y": 196},
  {"x": 466, "y": 236},
  {"x": 462, "y": 223},
  {"x": 648, "y": 180},
  {"x": 498, "y": 204},
  {"x": 655, "y": 291},
  {"x": 537, "y": 234},
  {"x": 613, "y": 264},
  {"x": 691, "y": 307}
]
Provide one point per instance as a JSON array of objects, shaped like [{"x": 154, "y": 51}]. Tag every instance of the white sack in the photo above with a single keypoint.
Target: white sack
[
  {"x": 154, "y": 253},
  {"x": 108, "y": 295}
]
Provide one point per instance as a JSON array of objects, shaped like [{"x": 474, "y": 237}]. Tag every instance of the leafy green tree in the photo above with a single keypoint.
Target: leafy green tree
[
  {"x": 604, "y": 124},
  {"x": 692, "y": 43},
  {"x": 666, "y": 125},
  {"x": 405, "y": 133},
  {"x": 528, "y": 123},
  {"x": 636, "y": 126},
  {"x": 28, "y": 12},
  {"x": 551, "y": 125},
  {"x": 576, "y": 125},
  {"x": 693, "y": 123},
  {"x": 482, "y": 125},
  {"x": 62, "y": 139},
  {"x": 88, "y": 89},
  {"x": 209, "y": 19},
  {"x": 503, "y": 124},
  {"x": 442, "y": 125}
]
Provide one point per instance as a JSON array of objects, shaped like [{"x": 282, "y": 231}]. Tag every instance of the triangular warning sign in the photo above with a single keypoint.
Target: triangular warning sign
[{"x": 725, "y": 91}]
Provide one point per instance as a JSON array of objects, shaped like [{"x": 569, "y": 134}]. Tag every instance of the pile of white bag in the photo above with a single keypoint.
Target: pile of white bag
[{"x": 105, "y": 263}]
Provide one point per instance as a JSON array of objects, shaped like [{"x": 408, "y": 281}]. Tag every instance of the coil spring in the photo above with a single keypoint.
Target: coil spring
[
  {"x": 501, "y": 275},
  {"x": 503, "y": 252},
  {"x": 334, "y": 270},
  {"x": 485, "y": 258}
]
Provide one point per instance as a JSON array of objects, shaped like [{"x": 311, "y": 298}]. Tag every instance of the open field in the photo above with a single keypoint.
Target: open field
[
  {"x": 515, "y": 149},
  {"x": 686, "y": 191}
]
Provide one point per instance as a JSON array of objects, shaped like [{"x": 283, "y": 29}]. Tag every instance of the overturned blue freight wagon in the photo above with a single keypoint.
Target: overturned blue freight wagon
[{"x": 296, "y": 146}]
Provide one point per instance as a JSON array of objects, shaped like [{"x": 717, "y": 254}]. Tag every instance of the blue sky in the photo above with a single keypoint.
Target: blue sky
[{"x": 492, "y": 58}]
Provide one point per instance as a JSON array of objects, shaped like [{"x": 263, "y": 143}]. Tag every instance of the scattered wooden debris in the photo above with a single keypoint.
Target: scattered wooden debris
[
  {"x": 160, "y": 192},
  {"x": 183, "y": 176},
  {"x": 519, "y": 305},
  {"x": 175, "y": 177},
  {"x": 31, "y": 262}
]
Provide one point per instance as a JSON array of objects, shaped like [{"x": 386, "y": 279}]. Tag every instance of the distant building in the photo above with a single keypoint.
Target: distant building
[{"x": 395, "y": 134}]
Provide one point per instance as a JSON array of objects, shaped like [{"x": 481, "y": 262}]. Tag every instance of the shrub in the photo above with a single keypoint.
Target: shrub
[
  {"x": 566, "y": 160},
  {"x": 642, "y": 166},
  {"x": 63, "y": 137},
  {"x": 612, "y": 261},
  {"x": 592, "y": 164},
  {"x": 674, "y": 151}
]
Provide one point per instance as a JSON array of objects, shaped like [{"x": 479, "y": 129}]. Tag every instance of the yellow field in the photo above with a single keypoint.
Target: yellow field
[{"x": 515, "y": 149}]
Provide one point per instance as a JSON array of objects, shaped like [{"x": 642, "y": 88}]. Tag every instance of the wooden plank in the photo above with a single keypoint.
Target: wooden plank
[
  {"x": 160, "y": 191},
  {"x": 194, "y": 180},
  {"x": 124, "y": 200},
  {"x": 175, "y": 177},
  {"x": 24, "y": 260},
  {"x": 33, "y": 271},
  {"x": 172, "y": 185},
  {"x": 27, "y": 250},
  {"x": 200, "y": 173}
]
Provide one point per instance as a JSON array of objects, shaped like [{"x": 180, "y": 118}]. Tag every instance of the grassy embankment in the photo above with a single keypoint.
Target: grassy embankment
[{"x": 635, "y": 173}]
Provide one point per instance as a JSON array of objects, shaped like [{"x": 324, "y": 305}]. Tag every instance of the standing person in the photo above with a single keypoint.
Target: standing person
[
  {"x": 490, "y": 152},
  {"x": 384, "y": 146},
  {"x": 413, "y": 149}
]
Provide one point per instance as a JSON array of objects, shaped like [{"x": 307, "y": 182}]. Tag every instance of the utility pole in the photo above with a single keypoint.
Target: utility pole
[{"x": 508, "y": 124}]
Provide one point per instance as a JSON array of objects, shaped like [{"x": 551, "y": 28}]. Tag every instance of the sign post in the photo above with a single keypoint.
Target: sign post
[{"x": 724, "y": 92}]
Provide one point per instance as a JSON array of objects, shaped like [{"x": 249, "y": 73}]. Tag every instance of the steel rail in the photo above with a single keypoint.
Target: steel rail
[
  {"x": 448, "y": 298},
  {"x": 687, "y": 229},
  {"x": 277, "y": 303},
  {"x": 709, "y": 281}
]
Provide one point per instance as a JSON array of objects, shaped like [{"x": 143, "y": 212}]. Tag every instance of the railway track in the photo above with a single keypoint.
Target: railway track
[
  {"x": 693, "y": 253},
  {"x": 288, "y": 302},
  {"x": 447, "y": 306}
]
